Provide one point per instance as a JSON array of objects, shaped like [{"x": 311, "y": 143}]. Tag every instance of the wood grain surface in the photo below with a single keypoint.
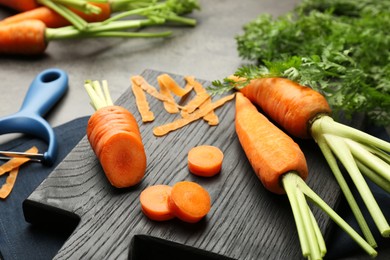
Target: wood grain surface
[{"x": 245, "y": 222}]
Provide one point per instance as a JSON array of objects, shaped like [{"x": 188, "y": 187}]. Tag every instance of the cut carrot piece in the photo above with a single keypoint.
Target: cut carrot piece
[
  {"x": 16, "y": 162},
  {"x": 154, "y": 202},
  {"x": 164, "y": 129},
  {"x": 142, "y": 104},
  {"x": 205, "y": 160},
  {"x": 115, "y": 138},
  {"x": 172, "y": 85},
  {"x": 189, "y": 201},
  {"x": 123, "y": 158},
  {"x": 7, "y": 187}
]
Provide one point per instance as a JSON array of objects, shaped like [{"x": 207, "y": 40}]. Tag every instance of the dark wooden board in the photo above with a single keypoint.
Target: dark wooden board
[{"x": 246, "y": 221}]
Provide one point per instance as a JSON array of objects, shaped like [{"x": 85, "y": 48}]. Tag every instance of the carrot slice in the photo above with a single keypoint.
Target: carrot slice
[
  {"x": 16, "y": 162},
  {"x": 181, "y": 122},
  {"x": 154, "y": 202},
  {"x": 171, "y": 84},
  {"x": 7, "y": 187},
  {"x": 205, "y": 160},
  {"x": 123, "y": 158},
  {"x": 142, "y": 104},
  {"x": 189, "y": 201}
]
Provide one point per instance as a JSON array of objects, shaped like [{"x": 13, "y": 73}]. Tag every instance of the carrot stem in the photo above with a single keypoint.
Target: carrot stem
[
  {"x": 340, "y": 148},
  {"x": 295, "y": 188},
  {"x": 73, "y": 18},
  {"x": 332, "y": 162}
]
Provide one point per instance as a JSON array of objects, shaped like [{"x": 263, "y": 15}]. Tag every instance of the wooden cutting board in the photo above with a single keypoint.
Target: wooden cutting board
[{"x": 245, "y": 222}]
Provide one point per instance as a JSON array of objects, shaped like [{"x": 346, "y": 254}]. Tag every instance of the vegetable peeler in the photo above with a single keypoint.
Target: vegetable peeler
[{"x": 45, "y": 90}]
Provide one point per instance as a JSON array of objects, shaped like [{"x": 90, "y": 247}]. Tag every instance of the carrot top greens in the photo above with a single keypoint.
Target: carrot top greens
[{"x": 340, "y": 48}]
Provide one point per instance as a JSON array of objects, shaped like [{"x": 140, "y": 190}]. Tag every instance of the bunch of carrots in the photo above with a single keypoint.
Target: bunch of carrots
[
  {"x": 29, "y": 32},
  {"x": 305, "y": 113}
]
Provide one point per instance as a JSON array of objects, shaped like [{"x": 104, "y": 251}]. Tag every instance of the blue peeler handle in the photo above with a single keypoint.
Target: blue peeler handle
[{"x": 45, "y": 90}]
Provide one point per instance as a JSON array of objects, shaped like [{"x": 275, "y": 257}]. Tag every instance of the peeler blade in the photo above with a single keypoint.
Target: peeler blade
[{"x": 35, "y": 157}]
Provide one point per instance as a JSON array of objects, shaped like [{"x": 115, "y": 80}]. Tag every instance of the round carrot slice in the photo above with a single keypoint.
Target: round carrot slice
[
  {"x": 154, "y": 202},
  {"x": 189, "y": 201},
  {"x": 205, "y": 160}
]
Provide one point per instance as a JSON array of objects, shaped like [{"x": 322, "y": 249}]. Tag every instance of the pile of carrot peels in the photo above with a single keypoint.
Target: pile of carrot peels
[
  {"x": 12, "y": 167},
  {"x": 201, "y": 106}
]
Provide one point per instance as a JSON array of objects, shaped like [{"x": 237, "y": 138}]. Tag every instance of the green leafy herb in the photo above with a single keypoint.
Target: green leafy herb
[{"x": 340, "y": 48}]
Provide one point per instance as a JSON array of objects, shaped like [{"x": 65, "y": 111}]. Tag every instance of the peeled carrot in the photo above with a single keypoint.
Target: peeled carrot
[
  {"x": 25, "y": 37},
  {"x": 53, "y": 19},
  {"x": 115, "y": 138},
  {"x": 154, "y": 202},
  {"x": 189, "y": 201},
  {"x": 205, "y": 160},
  {"x": 270, "y": 151},
  {"x": 291, "y": 105},
  {"x": 20, "y": 5}
]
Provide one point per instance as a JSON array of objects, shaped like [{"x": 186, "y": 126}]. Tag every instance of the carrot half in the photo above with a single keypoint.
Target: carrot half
[
  {"x": 291, "y": 105},
  {"x": 270, "y": 151},
  {"x": 52, "y": 19},
  {"x": 189, "y": 201},
  {"x": 115, "y": 138},
  {"x": 205, "y": 160},
  {"x": 154, "y": 202}
]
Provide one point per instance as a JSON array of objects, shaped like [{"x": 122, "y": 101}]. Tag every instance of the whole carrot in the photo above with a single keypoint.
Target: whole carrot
[
  {"x": 270, "y": 151},
  {"x": 291, "y": 105},
  {"x": 52, "y": 19},
  {"x": 20, "y": 5},
  {"x": 25, "y": 38},
  {"x": 281, "y": 166}
]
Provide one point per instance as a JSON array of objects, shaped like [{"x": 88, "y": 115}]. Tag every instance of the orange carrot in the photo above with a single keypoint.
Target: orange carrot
[
  {"x": 205, "y": 160},
  {"x": 270, "y": 151},
  {"x": 25, "y": 37},
  {"x": 189, "y": 201},
  {"x": 115, "y": 138},
  {"x": 154, "y": 202},
  {"x": 20, "y": 5},
  {"x": 291, "y": 105},
  {"x": 54, "y": 20}
]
